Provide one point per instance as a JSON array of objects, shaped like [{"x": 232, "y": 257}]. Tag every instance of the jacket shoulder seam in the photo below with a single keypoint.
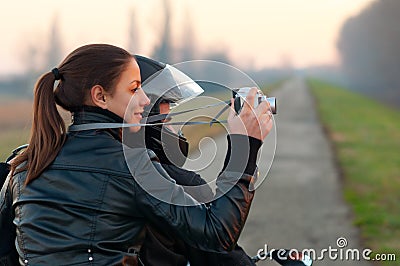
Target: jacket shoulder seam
[{"x": 90, "y": 169}]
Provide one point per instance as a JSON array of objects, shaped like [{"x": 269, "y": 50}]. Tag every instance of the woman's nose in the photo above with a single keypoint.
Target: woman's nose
[{"x": 144, "y": 99}]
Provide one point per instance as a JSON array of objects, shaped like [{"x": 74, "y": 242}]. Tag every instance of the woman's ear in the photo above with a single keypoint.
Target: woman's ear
[{"x": 98, "y": 96}]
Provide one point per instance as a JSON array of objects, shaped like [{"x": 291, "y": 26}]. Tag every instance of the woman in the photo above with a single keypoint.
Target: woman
[{"x": 72, "y": 198}]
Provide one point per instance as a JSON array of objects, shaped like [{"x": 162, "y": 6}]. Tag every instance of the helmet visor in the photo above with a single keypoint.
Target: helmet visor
[{"x": 171, "y": 85}]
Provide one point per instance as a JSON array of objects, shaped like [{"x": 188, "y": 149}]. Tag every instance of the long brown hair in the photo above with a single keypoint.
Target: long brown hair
[{"x": 85, "y": 67}]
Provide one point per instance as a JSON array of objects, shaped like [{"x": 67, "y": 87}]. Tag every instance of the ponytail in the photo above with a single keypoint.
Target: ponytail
[
  {"x": 85, "y": 67},
  {"x": 48, "y": 132}
]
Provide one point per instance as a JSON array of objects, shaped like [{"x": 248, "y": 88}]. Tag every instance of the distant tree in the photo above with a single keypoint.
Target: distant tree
[
  {"x": 38, "y": 59},
  {"x": 31, "y": 57},
  {"x": 54, "y": 51},
  {"x": 188, "y": 49},
  {"x": 368, "y": 45},
  {"x": 164, "y": 50},
  {"x": 133, "y": 39}
]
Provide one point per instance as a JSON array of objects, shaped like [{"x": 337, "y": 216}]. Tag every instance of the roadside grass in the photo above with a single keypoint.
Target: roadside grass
[
  {"x": 15, "y": 119},
  {"x": 366, "y": 137},
  {"x": 11, "y": 139}
]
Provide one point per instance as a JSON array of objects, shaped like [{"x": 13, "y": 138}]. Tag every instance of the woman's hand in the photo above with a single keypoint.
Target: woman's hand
[{"x": 254, "y": 122}]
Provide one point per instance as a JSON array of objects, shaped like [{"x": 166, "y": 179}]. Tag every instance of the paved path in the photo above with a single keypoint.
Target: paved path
[{"x": 299, "y": 205}]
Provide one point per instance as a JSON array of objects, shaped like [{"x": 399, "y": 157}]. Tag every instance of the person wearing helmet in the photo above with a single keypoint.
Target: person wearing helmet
[{"x": 171, "y": 148}]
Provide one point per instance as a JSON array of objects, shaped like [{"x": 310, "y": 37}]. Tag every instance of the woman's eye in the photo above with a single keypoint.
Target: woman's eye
[{"x": 135, "y": 89}]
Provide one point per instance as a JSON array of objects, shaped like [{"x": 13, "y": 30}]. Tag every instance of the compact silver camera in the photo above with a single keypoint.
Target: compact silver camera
[{"x": 240, "y": 96}]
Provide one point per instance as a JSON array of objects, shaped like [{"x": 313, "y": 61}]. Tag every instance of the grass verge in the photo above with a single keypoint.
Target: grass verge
[
  {"x": 366, "y": 137},
  {"x": 11, "y": 139}
]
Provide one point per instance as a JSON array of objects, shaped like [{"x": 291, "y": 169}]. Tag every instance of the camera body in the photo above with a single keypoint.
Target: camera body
[{"x": 240, "y": 96}]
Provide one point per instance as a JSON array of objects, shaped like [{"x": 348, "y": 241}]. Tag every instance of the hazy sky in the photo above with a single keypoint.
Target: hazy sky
[{"x": 255, "y": 33}]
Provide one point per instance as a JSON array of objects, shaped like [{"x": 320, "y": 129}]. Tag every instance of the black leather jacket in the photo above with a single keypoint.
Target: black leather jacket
[
  {"x": 162, "y": 247},
  {"x": 87, "y": 208}
]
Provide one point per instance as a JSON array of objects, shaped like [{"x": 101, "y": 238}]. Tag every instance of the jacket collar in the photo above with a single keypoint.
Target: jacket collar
[{"x": 94, "y": 114}]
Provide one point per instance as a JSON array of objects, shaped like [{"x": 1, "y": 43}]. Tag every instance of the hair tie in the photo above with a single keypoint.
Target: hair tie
[{"x": 56, "y": 73}]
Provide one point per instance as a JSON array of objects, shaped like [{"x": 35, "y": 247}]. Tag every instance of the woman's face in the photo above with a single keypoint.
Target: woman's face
[{"x": 128, "y": 99}]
